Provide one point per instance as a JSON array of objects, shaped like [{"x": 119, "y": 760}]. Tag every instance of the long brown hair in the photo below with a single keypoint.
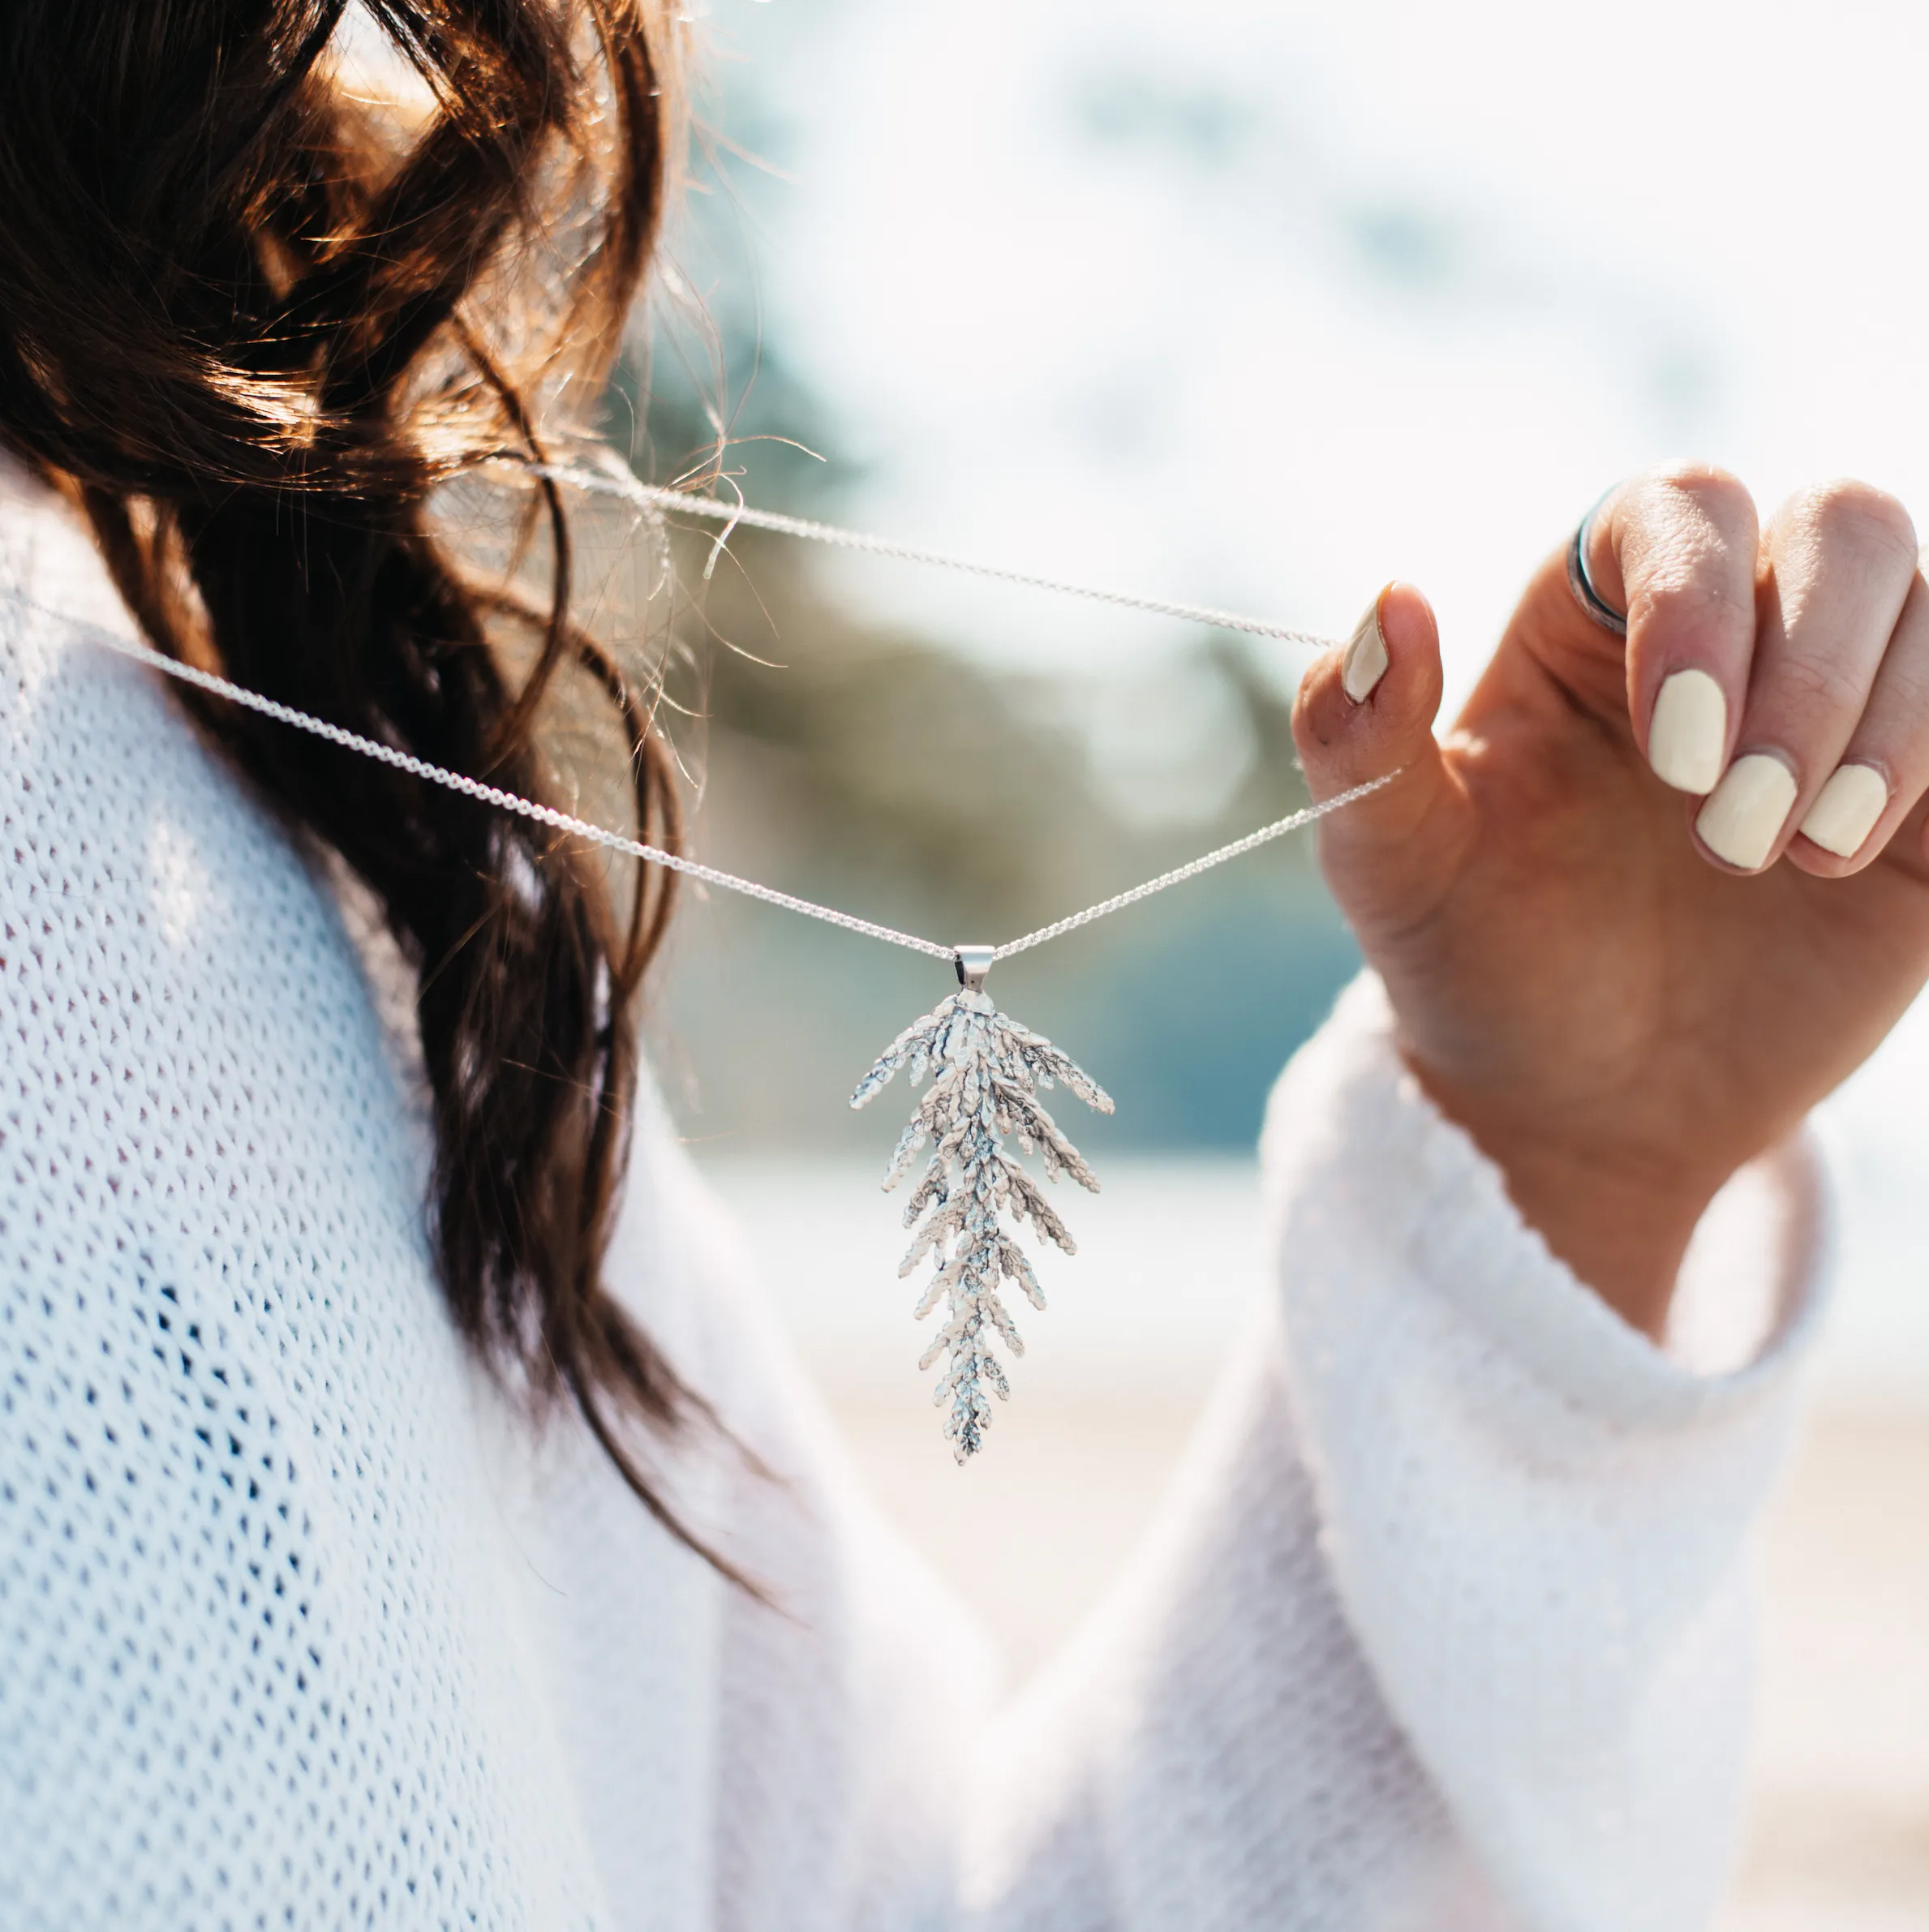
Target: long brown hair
[{"x": 249, "y": 328}]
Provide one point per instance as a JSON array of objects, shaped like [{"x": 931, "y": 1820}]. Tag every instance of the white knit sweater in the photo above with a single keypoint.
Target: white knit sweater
[{"x": 1444, "y": 1625}]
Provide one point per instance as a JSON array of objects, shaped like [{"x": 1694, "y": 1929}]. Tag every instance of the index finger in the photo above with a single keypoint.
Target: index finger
[{"x": 1676, "y": 549}]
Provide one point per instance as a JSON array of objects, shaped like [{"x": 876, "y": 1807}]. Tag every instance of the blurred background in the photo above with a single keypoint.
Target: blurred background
[{"x": 1256, "y": 305}]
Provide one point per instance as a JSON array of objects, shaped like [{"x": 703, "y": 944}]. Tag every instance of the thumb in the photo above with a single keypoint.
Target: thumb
[{"x": 1363, "y": 712}]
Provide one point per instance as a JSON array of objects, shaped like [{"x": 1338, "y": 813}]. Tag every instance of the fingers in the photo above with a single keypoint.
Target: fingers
[
  {"x": 1676, "y": 548},
  {"x": 1784, "y": 675},
  {"x": 1362, "y": 713},
  {"x": 1838, "y": 563},
  {"x": 1884, "y": 770}
]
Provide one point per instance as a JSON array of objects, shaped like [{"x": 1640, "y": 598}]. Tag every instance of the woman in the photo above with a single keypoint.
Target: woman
[{"x": 497, "y": 1570}]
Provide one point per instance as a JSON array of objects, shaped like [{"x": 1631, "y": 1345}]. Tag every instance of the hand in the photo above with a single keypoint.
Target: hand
[{"x": 1624, "y": 993}]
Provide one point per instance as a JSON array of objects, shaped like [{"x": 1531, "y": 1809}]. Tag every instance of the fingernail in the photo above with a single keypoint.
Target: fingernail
[
  {"x": 1845, "y": 813},
  {"x": 1688, "y": 732},
  {"x": 1365, "y": 662},
  {"x": 1746, "y": 810}
]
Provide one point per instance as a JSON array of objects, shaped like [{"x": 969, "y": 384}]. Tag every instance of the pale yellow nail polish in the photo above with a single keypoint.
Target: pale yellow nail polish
[
  {"x": 1688, "y": 732},
  {"x": 1846, "y": 809},
  {"x": 1747, "y": 811},
  {"x": 1365, "y": 662}
]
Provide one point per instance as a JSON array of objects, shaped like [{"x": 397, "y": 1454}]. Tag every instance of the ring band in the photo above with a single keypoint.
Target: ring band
[{"x": 1578, "y": 581}]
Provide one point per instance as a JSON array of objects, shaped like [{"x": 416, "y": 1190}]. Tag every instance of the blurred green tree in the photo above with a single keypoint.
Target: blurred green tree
[{"x": 860, "y": 765}]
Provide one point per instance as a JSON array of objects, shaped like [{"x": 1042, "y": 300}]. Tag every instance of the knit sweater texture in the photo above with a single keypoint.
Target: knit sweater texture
[{"x": 1443, "y": 1624}]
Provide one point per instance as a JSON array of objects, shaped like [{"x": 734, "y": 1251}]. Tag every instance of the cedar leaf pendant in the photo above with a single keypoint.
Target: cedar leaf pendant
[{"x": 986, "y": 1072}]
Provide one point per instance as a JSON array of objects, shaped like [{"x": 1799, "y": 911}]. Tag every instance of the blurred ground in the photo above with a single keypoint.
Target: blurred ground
[
  {"x": 1838, "y": 1818},
  {"x": 1839, "y": 1832},
  {"x": 1295, "y": 347},
  {"x": 1031, "y": 1533}
]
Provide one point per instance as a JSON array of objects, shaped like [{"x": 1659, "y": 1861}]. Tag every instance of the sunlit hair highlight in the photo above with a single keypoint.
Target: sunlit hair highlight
[{"x": 256, "y": 313}]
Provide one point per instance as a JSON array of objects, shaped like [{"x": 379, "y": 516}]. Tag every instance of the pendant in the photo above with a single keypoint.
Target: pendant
[{"x": 987, "y": 1071}]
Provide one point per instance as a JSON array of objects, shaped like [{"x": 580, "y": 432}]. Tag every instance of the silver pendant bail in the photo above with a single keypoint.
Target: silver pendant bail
[{"x": 973, "y": 963}]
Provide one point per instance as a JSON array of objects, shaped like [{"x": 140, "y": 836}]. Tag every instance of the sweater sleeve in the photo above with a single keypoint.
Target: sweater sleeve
[
  {"x": 1535, "y": 1521},
  {"x": 1443, "y": 1624},
  {"x": 301, "y": 1614}
]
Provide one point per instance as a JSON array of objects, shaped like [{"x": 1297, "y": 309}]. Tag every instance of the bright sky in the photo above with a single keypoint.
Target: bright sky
[
  {"x": 1259, "y": 303},
  {"x": 1263, "y": 303}
]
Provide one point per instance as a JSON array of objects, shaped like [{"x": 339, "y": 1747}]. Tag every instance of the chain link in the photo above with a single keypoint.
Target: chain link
[
  {"x": 596, "y": 835},
  {"x": 1292, "y": 822},
  {"x": 490, "y": 795},
  {"x": 654, "y": 496}
]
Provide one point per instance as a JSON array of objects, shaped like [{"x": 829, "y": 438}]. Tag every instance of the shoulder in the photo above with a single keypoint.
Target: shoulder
[
  {"x": 242, "y": 1507},
  {"x": 185, "y": 1012},
  {"x": 135, "y": 869}
]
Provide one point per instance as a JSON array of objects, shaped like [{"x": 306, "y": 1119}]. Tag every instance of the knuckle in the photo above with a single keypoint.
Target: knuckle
[
  {"x": 1690, "y": 531},
  {"x": 1823, "y": 685},
  {"x": 1858, "y": 516},
  {"x": 1711, "y": 494},
  {"x": 1685, "y": 601},
  {"x": 1707, "y": 480},
  {"x": 1901, "y": 699}
]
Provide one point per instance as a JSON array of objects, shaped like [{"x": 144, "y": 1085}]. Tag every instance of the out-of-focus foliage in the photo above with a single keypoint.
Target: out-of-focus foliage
[
  {"x": 866, "y": 769},
  {"x": 842, "y": 758}
]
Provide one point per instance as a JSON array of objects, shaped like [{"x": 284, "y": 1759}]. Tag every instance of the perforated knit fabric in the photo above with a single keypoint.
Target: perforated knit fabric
[{"x": 1442, "y": 1626}]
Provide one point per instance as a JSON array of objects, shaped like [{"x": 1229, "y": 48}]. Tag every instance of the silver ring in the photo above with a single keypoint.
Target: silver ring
[{"x": 1578, "y": 581}]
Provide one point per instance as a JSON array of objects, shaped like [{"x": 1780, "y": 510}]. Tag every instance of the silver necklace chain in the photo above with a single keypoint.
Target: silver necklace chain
[
  {"x": 654, "y": 496},
  {"x": 651, "y": 496}
]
